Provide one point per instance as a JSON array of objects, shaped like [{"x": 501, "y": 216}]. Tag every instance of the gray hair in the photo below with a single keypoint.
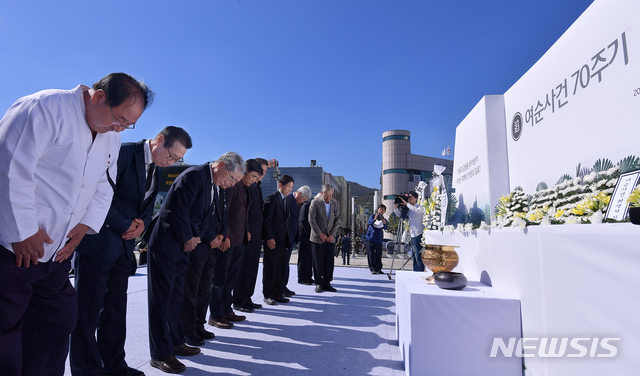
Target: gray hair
[
  {"x": 327, "y": 188},
  {"x": 232, "y": 162},
  {"x": 305, "y": 191}
]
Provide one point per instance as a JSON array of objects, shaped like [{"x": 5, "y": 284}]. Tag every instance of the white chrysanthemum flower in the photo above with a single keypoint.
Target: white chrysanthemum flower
[
  {"x": 468, "y": 227},
  {"x": 484, "y": 226},
  {"x": 545, "y": 221},
  {"x": 460, "y": 228},
  {"x": 572, "y": 220},
  {"x": 596, "y": 217}
]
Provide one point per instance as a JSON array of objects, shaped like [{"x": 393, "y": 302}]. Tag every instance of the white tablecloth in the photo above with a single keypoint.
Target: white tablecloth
[
  {"x": 573, "y": 281},
  {"x": 451, "y": 332}
]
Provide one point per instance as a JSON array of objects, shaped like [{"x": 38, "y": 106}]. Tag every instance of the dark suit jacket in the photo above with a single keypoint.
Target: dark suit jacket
[
  {"x": 292, "y": 221},
  {"x": 218, "y": 225},
  {"x": 238, "y": 213},
  {"x": 185, "y": 213},
  {"x": 128, "y": 203},
  {"x": 255, "y": 220},
  {"x": 304, "y": 228},
  {"x": 275, "y": 220}
]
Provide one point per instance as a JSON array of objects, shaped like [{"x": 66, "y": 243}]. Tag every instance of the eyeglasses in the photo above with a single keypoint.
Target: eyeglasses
[
  {"x": 130, "y": 126},
  {"x": 230, "y": 178},
  {"x": 171, "y": 157}
]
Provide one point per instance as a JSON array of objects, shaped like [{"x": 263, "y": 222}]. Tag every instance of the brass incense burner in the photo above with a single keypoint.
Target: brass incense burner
[{"x": 439, "y": 258}]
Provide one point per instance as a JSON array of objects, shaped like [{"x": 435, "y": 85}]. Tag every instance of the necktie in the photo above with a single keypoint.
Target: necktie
[
  {"x": 215, "y": 197},
  {"x": 152, "y": 169}
]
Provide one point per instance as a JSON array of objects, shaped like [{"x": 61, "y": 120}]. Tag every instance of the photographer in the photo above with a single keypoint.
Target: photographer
[
  {"x": 407, "y": 206},
  {"x": 377, "y": 223}
]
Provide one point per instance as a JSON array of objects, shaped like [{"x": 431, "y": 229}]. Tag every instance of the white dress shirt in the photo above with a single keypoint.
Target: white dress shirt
[
  {"x": 416, "y": 213},
  {"x": 52, "y": 172}
]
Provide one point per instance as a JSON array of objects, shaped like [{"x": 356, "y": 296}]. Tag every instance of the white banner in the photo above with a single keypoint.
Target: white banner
[
  {"x": 480, "y": 173},
  {"x": 580, "y": 102}
]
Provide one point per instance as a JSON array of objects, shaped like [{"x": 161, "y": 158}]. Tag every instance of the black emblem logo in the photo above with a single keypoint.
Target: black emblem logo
[{"x": 516, "y": 126}]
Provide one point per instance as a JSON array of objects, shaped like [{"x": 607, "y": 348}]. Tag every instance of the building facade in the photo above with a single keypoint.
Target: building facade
[{"x": 401, "y": 170}]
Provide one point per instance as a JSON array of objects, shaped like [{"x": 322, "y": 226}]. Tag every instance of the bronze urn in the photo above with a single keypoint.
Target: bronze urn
[{"x": 439, "y": 258}]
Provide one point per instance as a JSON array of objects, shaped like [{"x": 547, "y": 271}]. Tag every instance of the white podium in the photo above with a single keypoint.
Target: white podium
[{"x": 449, "y": 332}]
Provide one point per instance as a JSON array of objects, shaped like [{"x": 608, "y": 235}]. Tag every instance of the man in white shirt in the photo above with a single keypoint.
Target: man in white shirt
[
  {"x": 416, "y": 227},
  {"x": 58, "y": 151}
]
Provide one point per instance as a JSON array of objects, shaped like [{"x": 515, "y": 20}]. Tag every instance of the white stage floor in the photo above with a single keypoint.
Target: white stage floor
[{"x": 350, "y": 332}]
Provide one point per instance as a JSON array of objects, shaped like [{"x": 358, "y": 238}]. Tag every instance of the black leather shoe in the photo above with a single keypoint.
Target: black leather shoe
[
  {"x": 329, "y": 288},
  {"x": 186, "y": 350},
  {"x": 318, "y": 288},
  {"x": 125, "y": 372},
  {"x": 282, "y": 299},
  {"x": 168, "y": 365},
  {"x": 270, "y": 301},
  {"x": 205, "y": 334},
  {"x": 221, "y": 323},
  {"x": 289, "y": 292},
  {"x": 380, "y": 272},
  {"x": 305, "y": 283},
  {"x": 194, "y": 340},
  {"x": 242, "y": 308},
  {"x": 234, "y": 318},
  {"x": 286, "y": 294},
  {"x": 254, "y": 305}
]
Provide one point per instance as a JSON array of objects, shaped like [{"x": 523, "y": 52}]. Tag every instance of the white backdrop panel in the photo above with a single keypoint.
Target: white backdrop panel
[{"x": 581, "y": 101}]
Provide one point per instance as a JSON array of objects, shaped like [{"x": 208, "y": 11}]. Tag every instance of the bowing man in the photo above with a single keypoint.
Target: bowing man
[
  {"x": 278, "y": 239},
  {"x": 182, "y": 223},
  {"x": 103, "y": 261},
  {"x": 56, "y": 147}
]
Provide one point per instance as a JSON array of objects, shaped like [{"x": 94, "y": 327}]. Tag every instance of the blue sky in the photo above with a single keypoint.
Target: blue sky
[{"x": 292, "y": 80}]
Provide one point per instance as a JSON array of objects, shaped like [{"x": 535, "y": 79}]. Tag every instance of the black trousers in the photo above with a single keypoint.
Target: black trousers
[
  {"x": 248, "y": 274},
  {"x": 273, "y": 265},
  {"x": 197, "y": 290},
  {"x": 166, "y": 276},
  {"x": 305, "y": 261},
  {"x": 225, "y": 276},
  {"x": 323, "y": 259},
  {"x": 101, "y": 287},
  {"x": 285, "y": 264},
  {"x": 374, "y": 256},
  {"x": 38, "y": 312}
]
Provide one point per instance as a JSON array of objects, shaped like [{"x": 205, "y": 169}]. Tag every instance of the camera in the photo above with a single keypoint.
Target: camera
[{"x": 402, "y": 200}]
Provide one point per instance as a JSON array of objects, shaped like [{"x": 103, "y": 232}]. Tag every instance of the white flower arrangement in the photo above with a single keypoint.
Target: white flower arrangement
[
  {"x": 432, "y": 210},
  {"x": 577, "y": 200}
]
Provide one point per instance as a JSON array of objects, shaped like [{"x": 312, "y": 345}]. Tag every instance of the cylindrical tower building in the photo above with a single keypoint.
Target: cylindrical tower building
[{"x": 396, "y": 148}]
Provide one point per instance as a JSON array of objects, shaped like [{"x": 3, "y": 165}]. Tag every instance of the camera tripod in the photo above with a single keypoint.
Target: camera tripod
[{"x": 398, "y": 246}]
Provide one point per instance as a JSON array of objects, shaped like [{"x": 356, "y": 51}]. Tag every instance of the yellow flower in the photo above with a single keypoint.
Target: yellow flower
[
  {"x": 559, "y": 213},
  {"x": 535, "y": 215},
  {"x": 577, "y": 211}
]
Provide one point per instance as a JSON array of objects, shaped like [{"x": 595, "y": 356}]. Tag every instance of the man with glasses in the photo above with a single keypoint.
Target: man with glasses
[
  {"x": 103, "y": 261},
  {"x": 57, "y": 151},
  {"x": 187, "y": 221}
]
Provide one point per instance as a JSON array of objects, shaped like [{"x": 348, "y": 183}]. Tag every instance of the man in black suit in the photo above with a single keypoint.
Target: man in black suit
[
  {"x": 102, "y": 261},
  {"x": 227, "y": 266},
  {"x": 182, "y": 223},
  {"x": 305, "y": 260},
  {"x": 246, "y": 284},
  {"x": 278, "y": 239},
  {"x": 294, "y": 200}
]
